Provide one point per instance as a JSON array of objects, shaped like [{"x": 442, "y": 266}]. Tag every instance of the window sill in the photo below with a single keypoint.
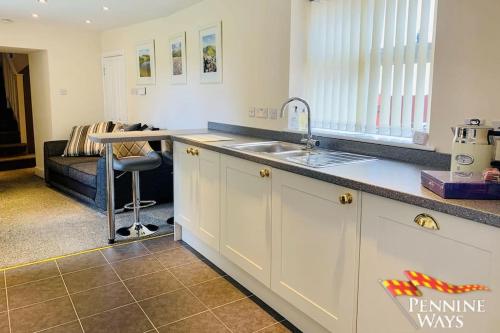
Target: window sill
[{"x": 369, "y": 138}]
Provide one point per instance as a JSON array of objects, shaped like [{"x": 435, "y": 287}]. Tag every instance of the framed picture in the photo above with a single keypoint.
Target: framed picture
[
  {"x": 211, "y": 53},
  {"x": 145, "y": 58},
  {"x": 177, "y": 50}
]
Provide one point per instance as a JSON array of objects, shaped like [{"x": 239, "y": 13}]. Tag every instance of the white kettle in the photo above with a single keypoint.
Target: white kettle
[{"x": 473, "y": 147}]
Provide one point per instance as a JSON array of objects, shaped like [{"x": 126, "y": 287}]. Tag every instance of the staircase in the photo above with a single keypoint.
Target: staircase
[{"x": 13, "y": 153}]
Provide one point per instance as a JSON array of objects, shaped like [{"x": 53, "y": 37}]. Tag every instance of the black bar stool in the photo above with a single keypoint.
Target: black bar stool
[{"x": 135, "y": 157}]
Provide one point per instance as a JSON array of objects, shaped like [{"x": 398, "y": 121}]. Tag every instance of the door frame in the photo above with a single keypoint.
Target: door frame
[{"x": 112, "y": 54}]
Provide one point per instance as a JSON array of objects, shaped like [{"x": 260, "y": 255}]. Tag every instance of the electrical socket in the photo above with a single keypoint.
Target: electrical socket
[
  {"x": 273, "y": 113},
  {"x": 261, "y": 113},
  {"x": 251, "y": 112}
]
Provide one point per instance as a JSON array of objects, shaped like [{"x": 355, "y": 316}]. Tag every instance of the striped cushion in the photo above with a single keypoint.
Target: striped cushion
[{"x": 79, "y": 143}]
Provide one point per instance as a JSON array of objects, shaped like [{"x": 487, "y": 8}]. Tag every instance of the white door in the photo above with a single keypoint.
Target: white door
[
  {"x": 209, "y": 197},
  {"x": 185, "y": 187},
  {"x": 115, "y": 83},
  {"x": 314, "y": 249},
  {"x": 461, "y": 252},
  {"x": 246, "y": 216}
]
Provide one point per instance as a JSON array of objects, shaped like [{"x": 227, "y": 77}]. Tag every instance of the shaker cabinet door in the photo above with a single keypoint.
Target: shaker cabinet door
[
  {"x": 314, "y": 248},
  {"x": 441, "y": 246},
  {"x": 246, "y": 216},
  {"x": 209, "y": 198},
  {"x": 185, "y": 187}
]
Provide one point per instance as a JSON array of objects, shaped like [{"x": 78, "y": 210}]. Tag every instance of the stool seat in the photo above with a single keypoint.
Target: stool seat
[{"x": 137, "y": 163}]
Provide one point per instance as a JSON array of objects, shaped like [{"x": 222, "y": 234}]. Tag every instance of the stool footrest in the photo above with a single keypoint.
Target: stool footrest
[{"x": 144, "y": 204}]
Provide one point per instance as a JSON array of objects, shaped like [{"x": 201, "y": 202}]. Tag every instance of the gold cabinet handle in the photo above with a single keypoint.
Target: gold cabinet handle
[
  {"x": 426, "y": 221},
  {"x": 188, "y": 150},
  {"x": 346, "y": 198},
  {"x": 196, "y": 152},
  {"x": 265, "y": 173}
]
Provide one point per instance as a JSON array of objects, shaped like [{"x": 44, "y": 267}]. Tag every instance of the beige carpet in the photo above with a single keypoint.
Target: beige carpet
[{"x": 38, "y": 222}]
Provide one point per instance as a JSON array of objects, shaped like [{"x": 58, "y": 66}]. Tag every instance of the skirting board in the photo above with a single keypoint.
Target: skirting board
[
  {"x": 39, "y": 172},
  {"x": 296, "y": 317}
]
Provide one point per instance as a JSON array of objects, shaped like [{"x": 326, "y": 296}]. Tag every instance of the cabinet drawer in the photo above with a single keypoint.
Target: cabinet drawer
[{"x": 458, "y": 252}]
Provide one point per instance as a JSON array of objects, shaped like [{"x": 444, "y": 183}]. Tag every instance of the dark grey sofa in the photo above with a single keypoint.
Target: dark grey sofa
[{"x": 84, "y": 178}]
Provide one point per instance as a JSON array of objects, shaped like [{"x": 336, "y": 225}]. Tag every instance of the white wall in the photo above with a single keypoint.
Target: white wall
[
  {"x": 69, "y": 59},
  {"x": 466, "y": 66},
  {"x": 255, "y": 55},
  {"x": 40, "y": 99}
]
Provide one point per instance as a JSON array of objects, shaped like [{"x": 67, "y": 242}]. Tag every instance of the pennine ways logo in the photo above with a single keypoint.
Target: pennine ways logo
[{"x": 430, "y": 313}]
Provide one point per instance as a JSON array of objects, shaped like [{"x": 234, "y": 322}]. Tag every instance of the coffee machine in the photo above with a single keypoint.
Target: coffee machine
[{"x": 473, "y": 148}]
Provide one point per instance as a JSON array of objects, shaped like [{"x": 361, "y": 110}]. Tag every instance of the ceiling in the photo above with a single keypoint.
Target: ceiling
[{"x": 76, "y": 12}]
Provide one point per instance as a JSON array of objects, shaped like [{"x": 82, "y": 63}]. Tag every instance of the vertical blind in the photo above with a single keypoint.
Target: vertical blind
[{"x": 369, "y": 65}]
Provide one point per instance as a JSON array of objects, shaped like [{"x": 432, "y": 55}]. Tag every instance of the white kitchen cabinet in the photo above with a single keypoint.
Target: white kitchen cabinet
[
  {"x": 315, "y": 248},
  {"x": 196, "y": 192},
  {"x": 208, "y": 229},
  {"x": 460, "y": 252},
  {"x": 185, "y": 186},
  {"x": 246, "y": 216}
]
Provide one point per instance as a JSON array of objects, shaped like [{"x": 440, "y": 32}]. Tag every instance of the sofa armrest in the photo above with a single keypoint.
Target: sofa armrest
[{"x": 54, "y": 148}]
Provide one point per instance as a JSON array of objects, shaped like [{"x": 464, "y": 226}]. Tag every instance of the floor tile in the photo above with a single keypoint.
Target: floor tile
[
  {"x": 128, "y": 319},
  {"x": 81, "y": 261},
  {"x": 4, "y": 323},
  {"x": 137, "y": 266},
  {"x": 176, "y": 257},
  {"x": 194, "y": 273},
  {"x": 152, "y": 285},
  {"x": 171, "y": 307},
  {"x": 35, "y": 292},
  {"x": 202, "y": 323},
  {"x": 31, "y": 273},
  {"x": 42, "y": 315},
  {"x": 277, "y": 328},
  {"x": 161, "y": 243},
  {"x": 73, "y": 327},
  {"x": 244, "y": 316},
  {"x": 123, "y": 252},
  {"x": 100, "y": 299},
  {"x": 217, "y": 292},
  {"x": 3, "y": 300},
  {"x": 90, "y": 278}
]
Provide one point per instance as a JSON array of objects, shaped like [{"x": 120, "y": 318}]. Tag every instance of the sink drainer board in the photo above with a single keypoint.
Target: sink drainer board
[{"x": 326, "y": 159}]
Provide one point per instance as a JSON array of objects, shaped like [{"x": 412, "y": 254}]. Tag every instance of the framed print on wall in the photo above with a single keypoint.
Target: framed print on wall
[
  {"x": 145, "y": 57},
  {"x": 211, "y": 53},
  {"x": 177, "y": 50}
]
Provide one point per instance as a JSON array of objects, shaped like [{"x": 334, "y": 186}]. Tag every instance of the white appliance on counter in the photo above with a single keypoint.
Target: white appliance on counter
[{"x": 473, "y": 147}]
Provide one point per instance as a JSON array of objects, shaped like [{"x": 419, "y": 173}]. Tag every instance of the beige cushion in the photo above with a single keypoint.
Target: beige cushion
[
  {"x": 129, "y": 149},
  {"x": 79, "y": 143}
]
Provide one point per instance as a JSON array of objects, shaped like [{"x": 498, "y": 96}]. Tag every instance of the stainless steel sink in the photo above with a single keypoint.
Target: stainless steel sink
[
  {"x": 271, "y": 147},
  {"x": 290, "y": 152}
]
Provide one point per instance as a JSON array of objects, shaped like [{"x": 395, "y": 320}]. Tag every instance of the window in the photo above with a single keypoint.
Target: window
[{"x": 369, "y": 65}]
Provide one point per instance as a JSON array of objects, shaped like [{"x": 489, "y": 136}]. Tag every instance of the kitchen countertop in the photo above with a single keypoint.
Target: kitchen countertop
[{"x": 387, "y": 178}]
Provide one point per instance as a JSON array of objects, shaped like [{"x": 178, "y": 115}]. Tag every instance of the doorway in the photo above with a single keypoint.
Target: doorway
[
  {"x": 17, "y": 143},
  {"x": 115, "y": 87}
]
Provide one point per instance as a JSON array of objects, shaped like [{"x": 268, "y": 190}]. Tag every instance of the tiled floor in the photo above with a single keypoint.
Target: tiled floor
[{"x": 157, "y": 285}]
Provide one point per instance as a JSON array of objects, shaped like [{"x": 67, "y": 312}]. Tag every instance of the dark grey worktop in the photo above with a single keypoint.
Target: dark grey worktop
[{"x": 387, "y": 178}]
